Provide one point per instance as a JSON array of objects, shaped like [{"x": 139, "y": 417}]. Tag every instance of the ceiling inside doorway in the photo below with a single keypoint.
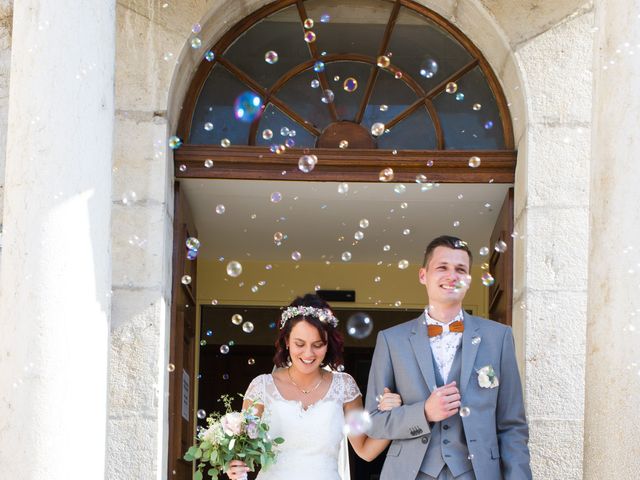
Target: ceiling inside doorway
[{"x": 321, "y": 223}]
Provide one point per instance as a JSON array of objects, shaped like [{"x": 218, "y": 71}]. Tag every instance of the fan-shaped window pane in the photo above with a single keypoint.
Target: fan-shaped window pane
[
  {"x": 416, "y": 42},
  {"x": 465, "y": 127},
  {"x": 306, "y": 100},
  {"x": 353, "y": 26},
  {"x": 214, "y": 118},
  {"x": 281, "y": 33},
  {"x": 390, "y": 98},
  {"x": 282, "y": 129},
  {"x": 416, "y": 132}
]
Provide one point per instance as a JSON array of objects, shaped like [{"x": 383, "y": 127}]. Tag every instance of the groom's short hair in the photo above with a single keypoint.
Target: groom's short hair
[{"x": 445, "y": 241}]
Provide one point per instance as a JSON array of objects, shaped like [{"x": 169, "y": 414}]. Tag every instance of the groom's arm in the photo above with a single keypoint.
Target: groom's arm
[
  {"x": 406, "y": 421},
  {"x": 511, "y": 423}
]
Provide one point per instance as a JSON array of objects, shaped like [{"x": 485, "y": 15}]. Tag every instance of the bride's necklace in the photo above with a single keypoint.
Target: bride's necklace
[{"x": 306, "y": 392}]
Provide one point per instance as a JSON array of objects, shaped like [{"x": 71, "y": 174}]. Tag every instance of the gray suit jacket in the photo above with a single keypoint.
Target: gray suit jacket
[{"x": 496, "y": 429}]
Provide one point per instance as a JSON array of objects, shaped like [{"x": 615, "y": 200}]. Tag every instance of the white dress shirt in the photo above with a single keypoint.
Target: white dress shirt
[{"x": 445, "y": 345}]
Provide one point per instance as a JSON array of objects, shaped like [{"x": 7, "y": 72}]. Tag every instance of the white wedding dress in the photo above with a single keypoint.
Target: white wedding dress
[{"x": 312, "y": 437}]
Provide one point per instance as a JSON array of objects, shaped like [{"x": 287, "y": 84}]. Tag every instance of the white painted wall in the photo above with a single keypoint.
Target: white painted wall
[{"x": 6, "y": 26}]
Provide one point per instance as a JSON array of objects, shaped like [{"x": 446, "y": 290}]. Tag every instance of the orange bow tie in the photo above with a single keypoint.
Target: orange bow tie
[{"x": 435, "y": 330}]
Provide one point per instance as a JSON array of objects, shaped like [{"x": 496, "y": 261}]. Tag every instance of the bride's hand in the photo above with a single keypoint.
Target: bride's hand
[
  {"x": 237, "y": 470},
  {"x": 389, "y": 400}
]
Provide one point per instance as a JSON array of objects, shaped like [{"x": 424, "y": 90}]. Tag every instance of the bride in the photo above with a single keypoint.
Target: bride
[{"x": 305, "y": 402}]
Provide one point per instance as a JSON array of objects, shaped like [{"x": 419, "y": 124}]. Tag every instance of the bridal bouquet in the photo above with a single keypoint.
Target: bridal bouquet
[{"x": 232, "y": 436}]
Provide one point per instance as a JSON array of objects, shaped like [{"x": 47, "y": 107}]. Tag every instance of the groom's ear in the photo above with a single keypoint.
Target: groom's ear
[{"x": 422, "y": 275}]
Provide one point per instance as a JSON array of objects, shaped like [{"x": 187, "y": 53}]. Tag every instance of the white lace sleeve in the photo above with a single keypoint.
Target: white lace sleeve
[
  {"x": 255, "y": 392},
  {"x": 350, "y": 388}
]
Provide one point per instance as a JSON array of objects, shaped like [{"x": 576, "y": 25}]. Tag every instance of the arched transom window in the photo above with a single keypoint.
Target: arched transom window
[{"x": 361, "y": 84}]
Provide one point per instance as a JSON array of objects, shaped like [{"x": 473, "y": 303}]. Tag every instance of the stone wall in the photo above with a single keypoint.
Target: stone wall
[{"x": 6, "y": 20}]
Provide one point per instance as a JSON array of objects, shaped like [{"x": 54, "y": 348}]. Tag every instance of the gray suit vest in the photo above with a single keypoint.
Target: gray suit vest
[{"x": 448, "y": 444}]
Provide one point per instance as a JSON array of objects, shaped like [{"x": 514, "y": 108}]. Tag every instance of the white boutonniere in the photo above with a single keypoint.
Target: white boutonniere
[{"x": 487, "y": 377}]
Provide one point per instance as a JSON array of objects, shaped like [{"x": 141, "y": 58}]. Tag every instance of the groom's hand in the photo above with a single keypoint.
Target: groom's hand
[{"x": 442, "y": 403}]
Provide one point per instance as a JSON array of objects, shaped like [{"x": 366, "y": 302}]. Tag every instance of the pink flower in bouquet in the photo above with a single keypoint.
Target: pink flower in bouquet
[
  {"x": 252, "y": 430},
  {"x": 232, "y": 423}
]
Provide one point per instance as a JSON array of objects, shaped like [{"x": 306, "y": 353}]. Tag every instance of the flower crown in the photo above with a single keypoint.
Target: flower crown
[{"x": 323, "y": 314}]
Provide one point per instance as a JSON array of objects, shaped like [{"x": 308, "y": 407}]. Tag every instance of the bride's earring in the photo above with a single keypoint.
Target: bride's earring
[{"x": 288, "y": 357}]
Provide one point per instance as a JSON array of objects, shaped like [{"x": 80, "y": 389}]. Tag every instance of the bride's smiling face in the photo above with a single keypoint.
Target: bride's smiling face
[{"x": 307, "y": 348}]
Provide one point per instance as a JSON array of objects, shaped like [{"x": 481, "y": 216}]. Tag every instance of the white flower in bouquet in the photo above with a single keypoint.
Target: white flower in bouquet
[
  {"x": 213, "y": 434},
  {"x": 232, "y": 423}
]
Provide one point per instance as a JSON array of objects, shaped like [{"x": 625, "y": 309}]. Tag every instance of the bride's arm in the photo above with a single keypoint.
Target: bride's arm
[{"x": 366, "y": 447}]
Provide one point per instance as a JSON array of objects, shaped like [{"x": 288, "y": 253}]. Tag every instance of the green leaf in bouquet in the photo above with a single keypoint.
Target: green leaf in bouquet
[
  {"x": 205, "y": 445},
  {"x": 197, "y": 475},
  {"x": 198, "y": 453},
  {"x": 278, "y": 440},
  {"x": 213, "y": 472},
  {"x": 206, "y": 456},
  {"x": 188, "y": 457}
]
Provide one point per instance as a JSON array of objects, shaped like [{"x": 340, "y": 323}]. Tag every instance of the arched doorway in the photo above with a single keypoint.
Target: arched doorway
[{"x": 390, "y": 63}]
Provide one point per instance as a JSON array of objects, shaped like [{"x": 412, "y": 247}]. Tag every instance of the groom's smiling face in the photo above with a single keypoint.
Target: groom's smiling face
[{"x": 446, "y": 276}]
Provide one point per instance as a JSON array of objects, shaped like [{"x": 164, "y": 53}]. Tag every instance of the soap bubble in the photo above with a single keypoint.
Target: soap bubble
[
  {"x": 364, "y": 223},
  {"x": 400, "y": 188},
  {"x": 202, "y": 414},
  {"x": 186, "y": 279},
  {"x": 406, "y": 231},
  {"x": 315, "y": 83},
  {"x": 357, "y": 422},
  {"x": 358, "y": 235},
  {"x": 456, "y": 223},
  {"x": 484, "y": 251},
  {"x": 234, "y": 268},
  {"x": 271, "y": 57},
  {"x": 296, "y": 256},
  {"x": 476, "y": 340},
  {"x": 224, "y": 349},
  {"x": 350, "y": 84},
  {"x": 278, "y": 237},
  {"x": 484, "y": 266},
  {"x": 236, "y": 319},
  {"x": 208, "y": 163},
  {"x": 386, "y": 175},
  {"x": 465, "y": 411},
  {"x": 309, "y": 37},
  {"x": 196, "y": 28},
  {"x": 308, "y": 23},
  {"x": 284, "y": 131},
  {"x": 343, "y": 144},
  {"x": 500, "y": 246},
  {"x": 488, "y": 125},
  {"x": 247, "y": 327},
  {"x": 384, "y": 108},
  {"x": 383, "y": 61},
  {"x": 387, "y": 248},
  {"x": 208, "y": 126},
  {"x": 251, "y": 361},
  {"x": 452, "y": 87},
  {"x": 192, "y": 243},
  {"x": 359, "y": 325},
  {"x": 247, "y": 107},
  {"x": 220, "y": 209},
  {"x": 343, "y": 188},
  {"x": 429, "y": 68},
  {"x": 327, "y": 96},
  {"x": 377, "y": 129},
  {"x": 487, "y": 279},
  {"x": 403, "y": 264},
  {"x": 325, "y": 18},
  {"x": 196, "y": 43},
  {"x": 209, "y": 56},
  {"x": 474, "y": 162},
  {"x": 276, "y": 197},
  {"x": 346, "y": 256},
  {"x": 421, "y": 178},
  {"x": 477, "y": 106},
  {"x": 306, "y": 163},
  {"x": 225, "y": 142},
  {"x": 377, "y": 279},
  {"x": 175, "y": 142},
  {"x": 267, "y": 134},
  {"x": 171, "y": 367}
]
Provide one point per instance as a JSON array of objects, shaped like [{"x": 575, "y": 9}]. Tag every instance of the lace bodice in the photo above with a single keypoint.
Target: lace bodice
[{"x": 312, "y": 436}]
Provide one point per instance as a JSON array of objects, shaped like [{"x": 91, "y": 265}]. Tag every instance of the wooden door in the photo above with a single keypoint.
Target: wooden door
[
  {"x": 183, "y": 342},
  {"x": 501, "y": 265}
]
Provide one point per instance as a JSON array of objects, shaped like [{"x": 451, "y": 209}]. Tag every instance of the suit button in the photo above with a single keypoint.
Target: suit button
[
  {"x": 424, "y": 440},
  {"x": 445, "y": 441},
  {"x": 446, "y": 427}
]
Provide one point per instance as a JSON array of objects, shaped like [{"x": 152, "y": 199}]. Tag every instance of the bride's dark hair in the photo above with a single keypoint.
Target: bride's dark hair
[{"x": 328, "y": 333}]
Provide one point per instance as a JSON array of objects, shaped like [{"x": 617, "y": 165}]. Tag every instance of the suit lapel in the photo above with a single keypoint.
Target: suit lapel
[
  {"x": 469, "y": 349},
  {"x": 422, "y": 350}
]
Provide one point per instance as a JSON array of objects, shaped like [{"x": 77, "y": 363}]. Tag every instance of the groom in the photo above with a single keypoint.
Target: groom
[{"x": 462, "y": 415}]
